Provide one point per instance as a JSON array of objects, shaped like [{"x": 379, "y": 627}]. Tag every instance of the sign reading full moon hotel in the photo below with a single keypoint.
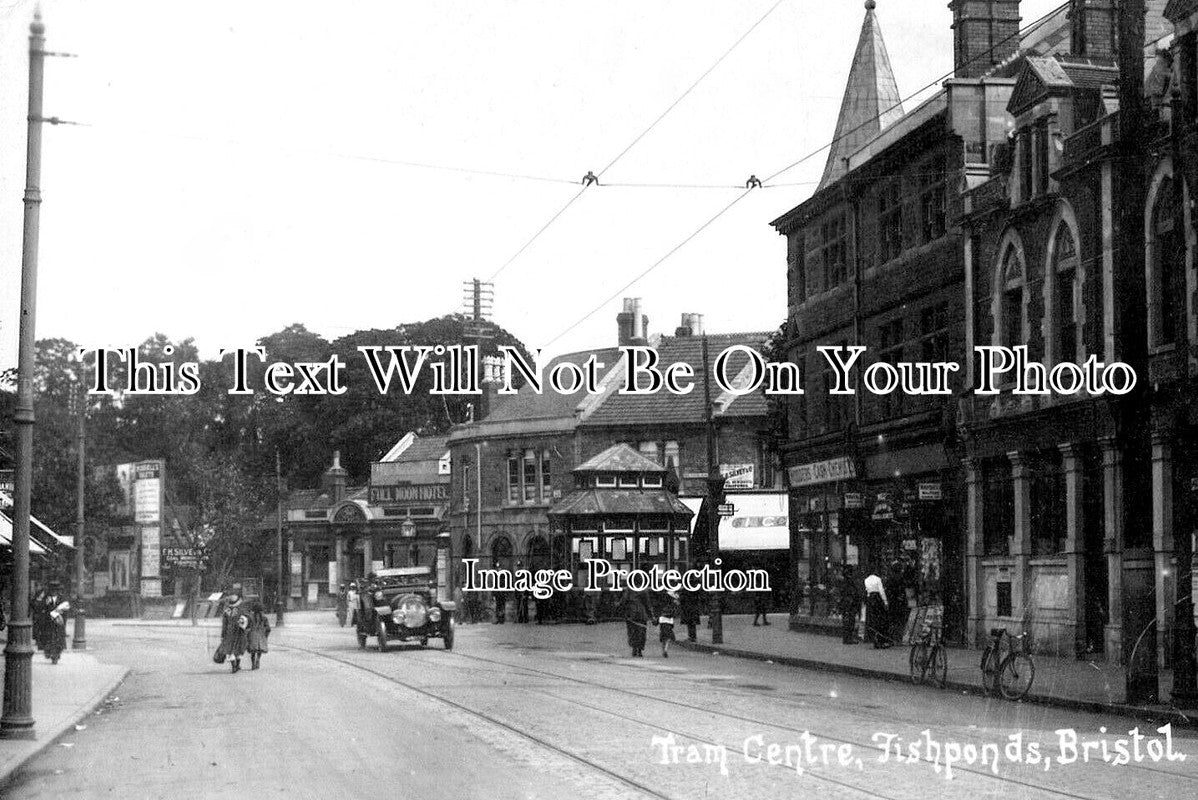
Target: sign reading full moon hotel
[{"x": 426, "y": 493}]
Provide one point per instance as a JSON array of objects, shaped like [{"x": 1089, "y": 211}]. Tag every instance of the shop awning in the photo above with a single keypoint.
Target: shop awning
[
  {"x": 6, "y": 536},
  {"x": 759, "y": 522},
  {"x": 694, "y": 504}
]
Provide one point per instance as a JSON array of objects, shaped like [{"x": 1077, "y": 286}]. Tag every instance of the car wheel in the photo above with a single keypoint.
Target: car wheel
[
  {"x": 382, "y": 636},
  {"x": 447, "y": 639}
]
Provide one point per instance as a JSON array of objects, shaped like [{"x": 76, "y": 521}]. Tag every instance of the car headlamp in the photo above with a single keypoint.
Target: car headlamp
[
  {"x": 378, "y": 595},
  {"x": 434, "y": 615}
]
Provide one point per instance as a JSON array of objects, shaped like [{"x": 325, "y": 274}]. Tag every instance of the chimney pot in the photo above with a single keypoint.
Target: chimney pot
[{"x": 985, "y": 33}]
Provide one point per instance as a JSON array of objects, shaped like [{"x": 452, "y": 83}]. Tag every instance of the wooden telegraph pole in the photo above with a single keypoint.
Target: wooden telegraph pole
[
  {"x": 17, "y": 719},
  {"x": 280, "y": 600}
]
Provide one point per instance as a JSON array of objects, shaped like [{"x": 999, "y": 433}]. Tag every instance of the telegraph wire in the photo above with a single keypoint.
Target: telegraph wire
[
  {"x": 591, "y": 179},
  {"x": 692, "y": 87}
]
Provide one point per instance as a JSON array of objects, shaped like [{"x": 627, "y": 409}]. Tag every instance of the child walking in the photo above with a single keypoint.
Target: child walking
[
  {"x": 665, "y": 619},
  {"x": 259, "y": 632}
]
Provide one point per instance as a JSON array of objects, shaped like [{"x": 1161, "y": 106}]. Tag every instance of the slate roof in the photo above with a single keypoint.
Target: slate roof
[
  {"x": 621, "y": 458},
  {"x": 871, "y": 99},
  {"x": 527, "y": 404},
  {"x": 425, "y": 448},
  {"x": 588, "y": 502},
  {"x": 318, "y": 498},
  {"x": 662, "y": 407}
]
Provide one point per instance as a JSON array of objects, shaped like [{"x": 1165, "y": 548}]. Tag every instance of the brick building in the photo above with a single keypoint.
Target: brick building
[{"x": 509, "y": 468}]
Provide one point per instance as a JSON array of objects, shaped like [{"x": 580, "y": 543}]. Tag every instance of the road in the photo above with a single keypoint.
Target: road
[{"x": 554, "y": 712}]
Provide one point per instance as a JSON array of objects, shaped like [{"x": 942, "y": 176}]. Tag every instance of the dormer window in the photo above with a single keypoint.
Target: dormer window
[
  {"x": 628, "y": 482},
  {"x": 652, "y": 482},
  {"x": 1033, "y": 160},
  {"x": 605, "y": 481}
]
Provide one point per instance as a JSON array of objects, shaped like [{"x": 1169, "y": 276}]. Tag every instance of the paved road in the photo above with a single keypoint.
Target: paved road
[{"x": 531, "y": 712}]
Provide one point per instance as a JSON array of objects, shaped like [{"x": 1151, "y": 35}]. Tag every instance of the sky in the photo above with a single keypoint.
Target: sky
[{"x": 237, "y": 169}]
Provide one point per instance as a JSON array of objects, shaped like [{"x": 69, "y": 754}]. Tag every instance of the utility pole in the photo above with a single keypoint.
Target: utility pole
[
  {"x": 80, "y": 640},
  {"x": 715, "y": 496},
  {"x": 17, "y": 719},
  {"x": 1138, "y": 576},
  {"x": 477, "y": 300},
  {"x": 280, "y": 600}
]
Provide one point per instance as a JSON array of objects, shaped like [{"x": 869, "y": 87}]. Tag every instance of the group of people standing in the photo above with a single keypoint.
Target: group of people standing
[{"x": 243, "y": 629}]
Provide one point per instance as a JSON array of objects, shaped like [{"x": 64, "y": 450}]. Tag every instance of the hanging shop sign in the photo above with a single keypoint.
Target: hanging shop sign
[
  {"x": 854, "y": 500},
  {"x": 834, "y": 469},
  {"x": 883, "y": 509},
  {"x": 737, "y": 476},
  {"x": 930, "y": 491}
]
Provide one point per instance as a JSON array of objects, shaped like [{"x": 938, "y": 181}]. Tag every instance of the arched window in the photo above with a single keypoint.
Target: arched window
[
  {"x": 538, "y": 554},
  {"x": 1011, "y": 296},
  {"x": 1168, "y": 253},
  {"x": 501, "y": 553},
  {"x": 1066, "y": 299}
]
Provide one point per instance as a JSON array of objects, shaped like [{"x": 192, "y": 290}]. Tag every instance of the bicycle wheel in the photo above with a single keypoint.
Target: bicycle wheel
[
  {"x": 1016, "y": 676},
  {"x": 938, "y": 666},
  {"x": 989, "y": 669},
  {"x": 919, "y": 662}
]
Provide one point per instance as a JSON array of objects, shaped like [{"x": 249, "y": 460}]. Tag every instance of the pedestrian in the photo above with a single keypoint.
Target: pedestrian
[
  {"x": 667, "y": 612},
  {"x": 876, "y": 608},
  {"x": 500, "y": 607},
  {"x": 761, "y": 607},
  {"x": 258, "y": 633},
  {"x": 351, "y": 599},
  {"x": 522, "y": 607},
  {"x": 850, "y": 604},
  {"x": 37, "y": 613},
  {"x": 233, "y": 624},
  {"x": 342, "y": 605},
  {"x": 55, "y": 606},
  {"x": 691, "y": 607},
  {"x": 637, "y": 615}
]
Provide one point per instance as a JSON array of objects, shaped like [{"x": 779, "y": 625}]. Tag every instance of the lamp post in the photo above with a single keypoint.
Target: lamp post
[
  {"x": 80, "y": 640},
  {"x": 17, "y": 719},
  {"x": 280, "y": 600}
]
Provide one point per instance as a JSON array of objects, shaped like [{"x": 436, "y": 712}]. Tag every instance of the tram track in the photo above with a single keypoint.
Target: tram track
[{"x": 529, "y": 671}]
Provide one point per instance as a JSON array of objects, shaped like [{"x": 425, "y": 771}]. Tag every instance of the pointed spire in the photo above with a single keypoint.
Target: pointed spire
[{"x": 871, "y": 98}]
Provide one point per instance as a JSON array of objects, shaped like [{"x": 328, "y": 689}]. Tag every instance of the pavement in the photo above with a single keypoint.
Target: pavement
[
  {"x": 1096, "y": 686},
  {"x": 64, "y": 695}
]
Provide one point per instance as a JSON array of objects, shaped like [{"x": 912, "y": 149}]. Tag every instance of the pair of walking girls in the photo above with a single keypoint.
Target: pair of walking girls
[
  {"x": 639, "y": 614},
  {"x": 242, "y": 630}
]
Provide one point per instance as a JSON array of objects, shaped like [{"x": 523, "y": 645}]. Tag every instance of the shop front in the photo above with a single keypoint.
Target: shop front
[{"x": 902, "y": 528}]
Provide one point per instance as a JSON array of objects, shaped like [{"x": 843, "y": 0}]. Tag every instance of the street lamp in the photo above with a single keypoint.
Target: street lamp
[
  {"x": 17, "y": 719},
  {"x": 80, "y": 640}
]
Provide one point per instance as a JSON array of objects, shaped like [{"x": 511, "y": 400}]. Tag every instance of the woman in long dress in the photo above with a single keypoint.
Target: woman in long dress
[{"x": 233, "y": 626}]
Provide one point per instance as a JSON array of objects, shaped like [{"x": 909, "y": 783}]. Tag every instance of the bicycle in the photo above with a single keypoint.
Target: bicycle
[
  {"x": 929, "y": 659},
  {"x": 1012, "y": 675}
]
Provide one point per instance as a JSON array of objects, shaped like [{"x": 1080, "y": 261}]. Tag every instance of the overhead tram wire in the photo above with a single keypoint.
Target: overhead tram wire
[
  {"x": 1028, "y": 30},
  {"x": 637, "y": 139}
]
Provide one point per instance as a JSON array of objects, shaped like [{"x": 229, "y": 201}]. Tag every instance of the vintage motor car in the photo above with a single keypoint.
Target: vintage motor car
[{"x": 400, "y": 605}]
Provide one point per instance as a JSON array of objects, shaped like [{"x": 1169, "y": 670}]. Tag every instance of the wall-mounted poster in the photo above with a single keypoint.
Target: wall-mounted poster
[{"x": 119, "y": 570}]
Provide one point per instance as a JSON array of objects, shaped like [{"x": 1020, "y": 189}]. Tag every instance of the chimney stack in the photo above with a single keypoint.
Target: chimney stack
[
  {"x": 691, "y": 325},
  {"x": 633, "y": 326},
  {"x": 985, "y": 33},
  {"x": 1093, "y": 27},
  {"x": 334, "y": 480}
]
